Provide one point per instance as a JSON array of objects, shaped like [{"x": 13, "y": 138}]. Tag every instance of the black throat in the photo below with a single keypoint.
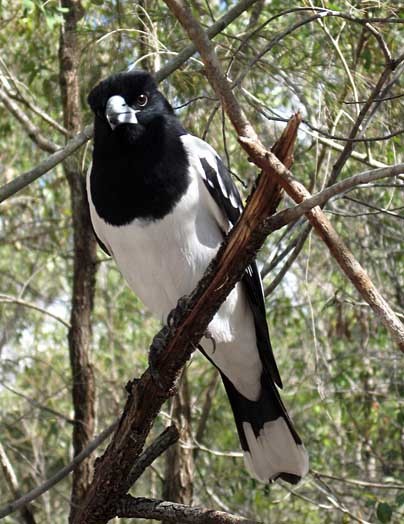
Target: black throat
[{"x": 138, "y": 172}]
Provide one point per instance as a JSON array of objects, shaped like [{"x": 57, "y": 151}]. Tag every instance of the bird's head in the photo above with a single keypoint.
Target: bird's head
[{"x": 127, "y": 104}]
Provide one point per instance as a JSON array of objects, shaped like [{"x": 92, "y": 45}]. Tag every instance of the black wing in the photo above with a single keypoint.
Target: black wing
[{"x": 225, "y": 193}]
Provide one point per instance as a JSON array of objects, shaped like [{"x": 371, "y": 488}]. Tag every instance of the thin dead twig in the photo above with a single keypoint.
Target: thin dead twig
[
  {"x": 271, "y": 166},
  {"x": 60, "y": 475},
  {"x": 168, "y": 437}
]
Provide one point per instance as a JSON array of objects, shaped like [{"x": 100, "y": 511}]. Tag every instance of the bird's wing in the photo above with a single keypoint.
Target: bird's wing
[
  {"x": 100, "y": 242},
  {"x": 227, "y": 206}
]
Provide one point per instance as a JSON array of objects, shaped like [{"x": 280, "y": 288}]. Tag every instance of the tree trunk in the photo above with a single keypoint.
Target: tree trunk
[
  {"x": 84, "y": 265},
  {"x": 178, "y": 478}
]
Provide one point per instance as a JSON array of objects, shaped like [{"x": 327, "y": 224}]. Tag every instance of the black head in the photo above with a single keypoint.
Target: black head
[
  {"x": 126, "y": 104},
  {"x": 140, "y": 167}
]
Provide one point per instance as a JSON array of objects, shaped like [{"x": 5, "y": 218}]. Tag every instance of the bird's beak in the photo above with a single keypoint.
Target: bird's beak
[{"x": 118, "y": 112}]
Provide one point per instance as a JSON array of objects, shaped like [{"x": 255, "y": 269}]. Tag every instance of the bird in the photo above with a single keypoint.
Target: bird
[{"x": 161, "y": 202}]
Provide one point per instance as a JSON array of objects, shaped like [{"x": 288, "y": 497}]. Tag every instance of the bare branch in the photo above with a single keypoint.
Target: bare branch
[
  {"x": 20, "y": 302},
  {"x": 360, "y": 483},
  {"x": 60, "y": 475},
  {"x": 268, "y": 162},
  {"x": 32, "y": 130},
  {"x": 46, "y": 165},
  {"x": 288, "y": 264},
  {"x": 130, "y": 507},
  {"x": 168, "y": 437},
  {"x": 215, "y": 29},
  {"x": 358, "y": 125},
  {"x": 37, "y": 404},
  {"x": 27, "y": 515},
  {"x": 7, "y": 190}
]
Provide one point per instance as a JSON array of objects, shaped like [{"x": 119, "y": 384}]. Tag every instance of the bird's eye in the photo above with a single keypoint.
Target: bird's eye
[{"x": 142, "y": 100}]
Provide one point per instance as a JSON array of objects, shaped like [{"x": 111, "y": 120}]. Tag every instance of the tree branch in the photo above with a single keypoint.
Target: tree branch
[
  {"x": 60, "y": 475},
  {"x": 168, "y": 437},
  {"x": 31, "y": 129},
  {"x": 268, "y": 162},
  {"x": 22, "y": 181},
  {"x": 176, "y": 343},
  {"x": 27, "y": 515},
  {"x": 20, "y": 302},
  {"x": 130, "y": 507}
]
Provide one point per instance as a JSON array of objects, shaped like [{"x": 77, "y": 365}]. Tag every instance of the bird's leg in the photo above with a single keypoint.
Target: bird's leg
[
  {"x": 160, "y": 340},
  {"x": 156, "y": 349}
]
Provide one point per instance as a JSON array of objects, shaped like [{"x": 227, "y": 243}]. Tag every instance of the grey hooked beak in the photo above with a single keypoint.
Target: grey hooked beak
[{"x": 118, "y": 112}]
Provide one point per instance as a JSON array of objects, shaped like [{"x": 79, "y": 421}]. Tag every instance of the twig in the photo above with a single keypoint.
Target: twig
[
  {"x": 360, "y": 123},
  {"x": 77, "y": 141},
  {"x": 27, "y": 515},
  {"x": 168, "y": 437},
  {"x": 360, "y": 483},
  {"x": 270, "y": 288},
  {"x": 46, "y": 165},
  {"x": 15, "y": 300},
  {"x": 337, "y": 504},
  {"x": 60, "y": 475},
  {"x": 271, "y": 166},
  {"x": 37, "y": 404},
  {"x": 130, "y": 507},
  {"x": 32, "y": 130},
  {"x": 215, "y": 29}
]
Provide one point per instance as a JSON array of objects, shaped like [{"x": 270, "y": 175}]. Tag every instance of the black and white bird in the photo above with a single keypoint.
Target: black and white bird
[{"x": 161, "y": 202}]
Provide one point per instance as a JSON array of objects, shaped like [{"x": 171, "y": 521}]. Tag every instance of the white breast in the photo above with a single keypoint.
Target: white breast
[{"x": 164, "y": 260}]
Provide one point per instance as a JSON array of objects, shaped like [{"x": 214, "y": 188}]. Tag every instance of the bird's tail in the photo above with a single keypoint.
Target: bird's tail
[{"x": 272, "y": 448}]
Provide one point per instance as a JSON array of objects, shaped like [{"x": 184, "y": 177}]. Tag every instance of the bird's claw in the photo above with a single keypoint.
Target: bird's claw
[
  {"x": 175, "y": 314},
  {"x": 159, "y": 344},
  {"x": 156, "y": 350},
  {"x": 208, "y": 335}
]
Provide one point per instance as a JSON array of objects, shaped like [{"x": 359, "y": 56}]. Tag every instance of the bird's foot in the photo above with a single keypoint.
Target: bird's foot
[
  {"x": 160, "y": 342},
  {"x": 176, "y": 314},
  {"x": 156, "y": 350}
]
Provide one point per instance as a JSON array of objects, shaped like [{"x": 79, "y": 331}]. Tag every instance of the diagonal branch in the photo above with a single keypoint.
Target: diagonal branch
[
  {"x": 175, "y": 344},
  {"x": 31, "y": 129},
  {"x": 18, "y": 183},
  {"x": 60, "y": 475},
  {"x": 271, "y": 166},
  {"x": 168, "y": 437},
  {"x": 23, "y": 180},
  {"x": 27, "y": 515}
]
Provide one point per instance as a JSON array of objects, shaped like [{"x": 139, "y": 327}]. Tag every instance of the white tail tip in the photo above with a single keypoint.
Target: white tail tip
[{"x": 274, "y": 452}]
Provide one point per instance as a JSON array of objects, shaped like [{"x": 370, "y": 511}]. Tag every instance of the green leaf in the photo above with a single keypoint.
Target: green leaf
[
  {"x": 384, "y": 512},
  {"x": 400, "y": 499}
]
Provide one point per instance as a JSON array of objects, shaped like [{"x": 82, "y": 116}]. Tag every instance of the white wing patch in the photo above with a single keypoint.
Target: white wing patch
[{"x": 199, "y": 148}]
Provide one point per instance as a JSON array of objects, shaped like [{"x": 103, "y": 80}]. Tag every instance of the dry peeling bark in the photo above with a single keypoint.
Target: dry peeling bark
[
  {"x": 130, "y": 507},
  {"x": 267, "y": 161},
  {"x": 110, "y": 482}
]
